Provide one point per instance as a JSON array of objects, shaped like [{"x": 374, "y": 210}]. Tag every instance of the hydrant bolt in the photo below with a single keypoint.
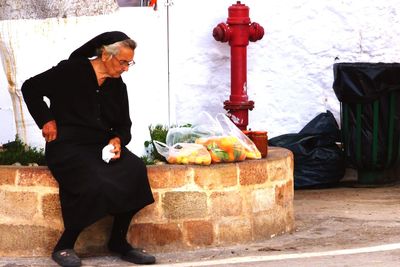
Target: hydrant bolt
[
  {"x": 256, "y": 32},
  {"x": 221, "y": 33}
]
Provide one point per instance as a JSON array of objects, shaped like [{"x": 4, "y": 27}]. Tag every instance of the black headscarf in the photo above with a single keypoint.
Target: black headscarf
[{"x": 89, "y": 49}]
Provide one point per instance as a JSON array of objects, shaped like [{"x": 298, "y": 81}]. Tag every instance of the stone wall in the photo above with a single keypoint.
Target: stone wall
[{"x": 195, "y": 206}]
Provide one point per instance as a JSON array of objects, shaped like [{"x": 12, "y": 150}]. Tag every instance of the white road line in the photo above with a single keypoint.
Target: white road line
[{"x": 247, "y": 259}]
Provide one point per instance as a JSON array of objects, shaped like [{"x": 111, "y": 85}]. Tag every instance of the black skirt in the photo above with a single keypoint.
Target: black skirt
[{"x": 90, "y": 188}]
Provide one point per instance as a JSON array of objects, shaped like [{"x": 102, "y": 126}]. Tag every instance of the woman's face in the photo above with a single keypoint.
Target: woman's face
[{"x": 116, "y": 65}]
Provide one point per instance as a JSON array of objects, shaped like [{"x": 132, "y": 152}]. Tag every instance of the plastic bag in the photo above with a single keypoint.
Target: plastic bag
[
  {"x": 229, "y": 128},
  {"x": 364, "y": 82},
  {"x": 223, "y": 148},
  {"x": 221, "y": 126},
  {"x": 184, "y": 153},
  {"x": 181, "y": 135},
  {"x": 318, "y": 160},
  {"x": 204, "y": 126},
  {"x": 225, "y": 131},
  {"x": 221, "y": 137}
]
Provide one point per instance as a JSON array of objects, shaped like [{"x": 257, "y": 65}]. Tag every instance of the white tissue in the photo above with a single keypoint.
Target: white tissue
[{"x": 107, "y": 155}]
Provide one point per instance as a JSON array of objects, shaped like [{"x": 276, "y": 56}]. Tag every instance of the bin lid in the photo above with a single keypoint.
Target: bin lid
[{"x": 364, "y": 82}]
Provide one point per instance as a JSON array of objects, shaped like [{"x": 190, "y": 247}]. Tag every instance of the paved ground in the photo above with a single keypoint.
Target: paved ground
[{"x": 343, "y": 226}]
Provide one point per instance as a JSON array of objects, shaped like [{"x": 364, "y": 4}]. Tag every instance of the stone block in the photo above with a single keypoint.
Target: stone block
[
  {"x": 234, "y": 231},
  {"x": 289, "y": 192},
  {"x": 27, "y": 240},
  {"x": 168, "y": 176},
  {"x": 18, "y": 205},
  {"x": 93, "y": 240},
  {"x": 278, "y": 170},
  {"x": 278, "y": 153},
  {"x": 289, "y": 218},
  {"x": 226, "y": 204},
  {"x": 199, "y": 233},
  {"x": 36, "y": 176},
  {"x": 280, "y": 194},
  {"x": 150, "y": 213},
  {"x": 8, "y": 175},
  {"x": 217, "y": 176},
  {"x": 253, "y": 172},
  {"x": 263, "y": 199},
  {"x": 184, "y": 205},
  {"x": 51, "y": 208},
  {"x": 271, "y": 223},
  {"x": 290, "y": 164},
  {"x": 284, "y": 193},
  {"x": 149, "y": 235}
]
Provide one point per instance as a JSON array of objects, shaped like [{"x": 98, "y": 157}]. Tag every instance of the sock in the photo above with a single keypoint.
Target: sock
[
  {"x": 67, "y": 239},
  {"x": 117, "y": 242}
]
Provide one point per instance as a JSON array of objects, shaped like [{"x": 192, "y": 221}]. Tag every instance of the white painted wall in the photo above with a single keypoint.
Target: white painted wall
[
  {"x": 7, "y": 124},
  {"x": 40, "y": 44},
  {"x": 289, "y": 71}
]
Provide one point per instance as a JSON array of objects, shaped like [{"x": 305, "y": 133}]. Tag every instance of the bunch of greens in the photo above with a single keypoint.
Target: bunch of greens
[
  {"x": 19, "y": 152},
  {"x": 157, "y": 133}
]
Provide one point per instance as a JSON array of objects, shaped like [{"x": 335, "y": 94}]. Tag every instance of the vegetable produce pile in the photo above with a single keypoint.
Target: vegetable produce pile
[
  {"x": 188, "y": 153},
  {"x": 207, "y": 141},
  {"x": 224, "y": 148}
]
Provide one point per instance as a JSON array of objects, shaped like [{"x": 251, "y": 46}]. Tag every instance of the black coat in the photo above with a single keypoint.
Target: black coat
[{"x": 87, "y": 117}]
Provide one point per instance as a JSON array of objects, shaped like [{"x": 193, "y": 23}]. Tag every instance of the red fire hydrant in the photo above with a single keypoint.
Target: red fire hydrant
[{"x": 238, "y": 31}]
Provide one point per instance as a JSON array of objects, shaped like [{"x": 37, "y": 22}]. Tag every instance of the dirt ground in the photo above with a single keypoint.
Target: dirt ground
[{"x": 343, "y": 218}]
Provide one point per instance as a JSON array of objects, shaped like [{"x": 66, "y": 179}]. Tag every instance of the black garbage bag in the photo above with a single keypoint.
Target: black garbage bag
[
  {"x": 318, "y": 160},
  {"x": 363, "y": 82},
  {"x": 369, "y": 94}
]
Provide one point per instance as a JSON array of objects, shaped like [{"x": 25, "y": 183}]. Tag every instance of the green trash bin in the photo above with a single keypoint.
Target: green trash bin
[{"x": 369, "y": 94}]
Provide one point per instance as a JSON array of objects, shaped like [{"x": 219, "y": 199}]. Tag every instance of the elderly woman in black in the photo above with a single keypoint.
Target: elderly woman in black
[{"x": 89, "y": 110}]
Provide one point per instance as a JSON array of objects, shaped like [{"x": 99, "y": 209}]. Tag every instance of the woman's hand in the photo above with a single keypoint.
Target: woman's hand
[
  {"x": 116, "y": 142},
  {"x": 49, "y": 131}
]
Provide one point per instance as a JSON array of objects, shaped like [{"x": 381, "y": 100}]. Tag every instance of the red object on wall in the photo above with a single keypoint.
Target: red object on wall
[{"x": 238, "y": 30}]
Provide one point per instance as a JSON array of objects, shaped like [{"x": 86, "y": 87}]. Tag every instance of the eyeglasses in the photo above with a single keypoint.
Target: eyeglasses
[{"x": 124, "y": 62}]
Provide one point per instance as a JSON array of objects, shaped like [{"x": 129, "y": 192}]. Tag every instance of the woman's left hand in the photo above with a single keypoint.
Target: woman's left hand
[{"x": 116, "y": 142}]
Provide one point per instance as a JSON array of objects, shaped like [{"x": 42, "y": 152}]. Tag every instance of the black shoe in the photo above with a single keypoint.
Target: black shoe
[
  {"x": 138, "y": 256},
  {"x": 66, "y": 258}
]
